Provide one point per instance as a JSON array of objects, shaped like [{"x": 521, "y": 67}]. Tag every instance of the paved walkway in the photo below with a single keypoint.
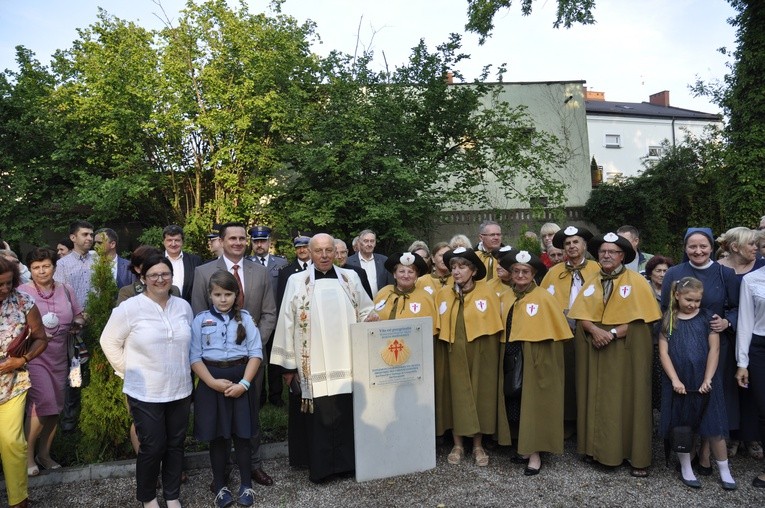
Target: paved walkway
[{"x": 564, "y": 481}]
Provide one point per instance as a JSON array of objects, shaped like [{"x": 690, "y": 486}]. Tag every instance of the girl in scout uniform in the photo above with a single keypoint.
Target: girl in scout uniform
[{"x": 226, "y": 351}]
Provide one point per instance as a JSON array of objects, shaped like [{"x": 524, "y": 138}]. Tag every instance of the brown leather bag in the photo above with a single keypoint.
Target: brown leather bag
[{"x": 20, "y": 345}]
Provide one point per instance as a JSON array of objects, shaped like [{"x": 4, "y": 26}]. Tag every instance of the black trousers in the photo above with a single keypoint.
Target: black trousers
[
  {"x": 757, "y": 377},
  {"x": 275, "y": 385},
  {"x": 161, "y": 429}
]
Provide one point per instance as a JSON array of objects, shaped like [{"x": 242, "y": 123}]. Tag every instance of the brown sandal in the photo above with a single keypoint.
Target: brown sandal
[
  {"x": 481, "y": 457},
  {"x": 455, "y": 456}
]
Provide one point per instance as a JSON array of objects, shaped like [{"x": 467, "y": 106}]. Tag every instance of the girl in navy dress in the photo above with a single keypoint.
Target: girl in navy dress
[
  {"x": 689, "y": 352},
  {"x": 226, "y": 352}
]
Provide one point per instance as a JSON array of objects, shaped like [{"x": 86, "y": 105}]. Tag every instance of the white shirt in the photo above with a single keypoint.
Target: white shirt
[
  {"x": 149, "y": 348},
  {"x": 751, "y": 314},
  {"x": 369, "y": 267},
  {"x": 178, "y": 275},
  {"x": 230, "y": 266}
]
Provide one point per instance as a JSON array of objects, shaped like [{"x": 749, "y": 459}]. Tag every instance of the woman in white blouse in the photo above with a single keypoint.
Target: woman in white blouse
[
  {"x": 147, "y": 342},
  {"x": 750, "y": 345}
]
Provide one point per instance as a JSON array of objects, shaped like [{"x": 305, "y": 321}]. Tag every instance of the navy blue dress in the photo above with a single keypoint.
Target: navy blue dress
[
  {"x": 721, "y": 288},
  {"x": 688, "y": 350}
]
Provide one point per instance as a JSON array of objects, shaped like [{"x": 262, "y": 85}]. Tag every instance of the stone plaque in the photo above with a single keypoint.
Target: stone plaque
[{"x": 395, "y": 353}]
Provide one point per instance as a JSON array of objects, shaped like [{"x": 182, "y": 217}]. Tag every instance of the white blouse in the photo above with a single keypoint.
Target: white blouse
[
  {"x": 149, "y": 348},
  {"x": 751, "y": 314}
]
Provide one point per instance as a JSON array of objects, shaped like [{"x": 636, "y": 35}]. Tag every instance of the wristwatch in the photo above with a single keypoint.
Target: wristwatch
[{"x": 613, "y": 333}]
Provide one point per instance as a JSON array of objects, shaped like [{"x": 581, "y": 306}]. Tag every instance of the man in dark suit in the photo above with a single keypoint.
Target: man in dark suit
[
  {"x": 107, "y": 238},
  {"x": 258, "y": 301},
  {"x": 373, "y": 264},
  {"x": 302, "y": 261},
  {"x": 183, "y": 263},
  {"x": 261, "y": 246}
]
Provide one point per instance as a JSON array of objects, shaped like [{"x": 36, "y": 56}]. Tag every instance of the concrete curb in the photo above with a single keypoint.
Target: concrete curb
[{"x": 126, "y": 468}]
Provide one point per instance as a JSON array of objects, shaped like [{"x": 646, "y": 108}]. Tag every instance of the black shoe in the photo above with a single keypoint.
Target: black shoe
[
  {"x": 694, "y": 484},
  {"x": 530, "y": 471},
  {"x": 703, "y": 470},
  {"x": 758, "y": 483},
  {"x": 518, "y": 459}
]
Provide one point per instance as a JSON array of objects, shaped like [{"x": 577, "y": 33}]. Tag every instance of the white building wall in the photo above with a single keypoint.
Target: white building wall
[
  {"x": 557, "y": 108},
  {"x": 637, "y": 136}
]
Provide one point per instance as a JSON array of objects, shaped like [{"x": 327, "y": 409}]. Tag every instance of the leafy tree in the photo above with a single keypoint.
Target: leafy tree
[
  {"x": 103, "y": 103},
  {"x": 690, "y": 170},
  {"x": 744, "y": 102},
  {"x": 234, "y": 85},
  {"x": 32, "y": 186},
  {"x": 481, "y": 14},
  {"x": 389, "y": 150}
]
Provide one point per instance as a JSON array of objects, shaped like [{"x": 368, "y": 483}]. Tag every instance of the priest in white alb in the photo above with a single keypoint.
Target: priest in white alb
[{"x": 313, "y": 343}]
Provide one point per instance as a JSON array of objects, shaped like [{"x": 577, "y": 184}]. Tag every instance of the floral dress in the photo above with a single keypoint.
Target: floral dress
[{"x": 13, "y": 320}]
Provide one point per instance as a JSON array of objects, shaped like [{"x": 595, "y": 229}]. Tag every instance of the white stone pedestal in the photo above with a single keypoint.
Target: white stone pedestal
[{"x": 393, "y": 401}]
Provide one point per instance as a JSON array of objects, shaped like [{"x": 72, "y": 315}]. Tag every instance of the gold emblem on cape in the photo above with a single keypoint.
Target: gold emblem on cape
[{"x": 396, "y": 352}]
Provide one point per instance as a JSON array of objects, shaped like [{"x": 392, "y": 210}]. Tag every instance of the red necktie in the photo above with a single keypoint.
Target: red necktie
[{"x": 240, "y": 298}]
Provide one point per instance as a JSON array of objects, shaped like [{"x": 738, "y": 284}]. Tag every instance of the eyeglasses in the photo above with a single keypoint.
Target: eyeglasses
[
  {"x": 611, "y": 253},
  {"x": 154, "y": 277}
]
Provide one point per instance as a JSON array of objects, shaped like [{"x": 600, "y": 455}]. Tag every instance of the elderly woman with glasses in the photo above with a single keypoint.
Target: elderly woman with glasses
[
  {"x": 470, "y": 334},
  {"x": 614, "y": 350},
  {"x": 535, "y": 327}
]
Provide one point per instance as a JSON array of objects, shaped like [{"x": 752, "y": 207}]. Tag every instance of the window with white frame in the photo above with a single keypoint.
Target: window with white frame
[
  {"x": 613, "y": 141},
  {"x": 655, "y": 152}
]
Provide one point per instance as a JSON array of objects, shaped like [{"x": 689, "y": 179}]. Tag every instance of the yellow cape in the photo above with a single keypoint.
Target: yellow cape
[
  {"x": 432, "y": 284},
  {"x": 482, "y": 312},
  {"x": 557, "y": 281},
  {"x": 536, "y": 317},
  {"x": 418, "y": 304},
  {"x": 631, "y": 300}
]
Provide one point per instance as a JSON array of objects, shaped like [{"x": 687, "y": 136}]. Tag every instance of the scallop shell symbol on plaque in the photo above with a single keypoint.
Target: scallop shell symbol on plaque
[
  {"x": 50, "y": 320},
  {"x": 396, "y": 352},
  {"x": 590, "y": 290}
]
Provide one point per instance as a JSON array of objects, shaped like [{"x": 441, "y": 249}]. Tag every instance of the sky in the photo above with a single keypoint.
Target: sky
[{"x": 636, "y": 48}]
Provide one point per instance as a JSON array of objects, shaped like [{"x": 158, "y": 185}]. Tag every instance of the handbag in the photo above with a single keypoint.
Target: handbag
[
  {"x": 19, "y": 346},
  {"x": 77, "y": 352},
  {"x": 513, "y": 370},
  {"x": 681, "y": 438}
]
